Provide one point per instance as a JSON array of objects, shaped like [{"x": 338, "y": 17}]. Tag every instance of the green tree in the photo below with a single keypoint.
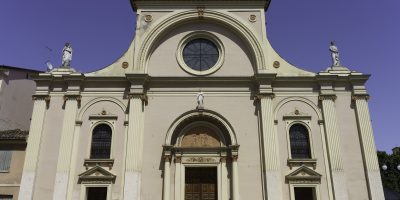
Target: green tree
[{"x": 390, "y": 176}]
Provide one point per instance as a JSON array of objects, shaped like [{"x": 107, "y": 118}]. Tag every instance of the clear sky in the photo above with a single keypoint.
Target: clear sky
[{"x": 366, "y": 31}]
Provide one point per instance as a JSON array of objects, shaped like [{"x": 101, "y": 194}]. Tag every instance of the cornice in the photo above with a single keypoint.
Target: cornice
[{"x": 149, "y": 4}]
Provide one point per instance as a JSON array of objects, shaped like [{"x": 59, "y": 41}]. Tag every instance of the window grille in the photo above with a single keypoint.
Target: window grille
[
  {"x": 5, "y": 160},
  {"x": 299, "y": 142},
  {"x": 101, "y": 142},
  {"x": 200, "y": 54}
]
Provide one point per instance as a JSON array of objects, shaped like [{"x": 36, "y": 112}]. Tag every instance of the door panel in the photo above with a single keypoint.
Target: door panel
[{"x": 201, "y": 183}]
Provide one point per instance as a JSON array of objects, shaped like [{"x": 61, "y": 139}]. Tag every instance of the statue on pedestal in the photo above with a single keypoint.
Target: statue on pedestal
[
  {"x": 67, "y": 55},
  {"x": 335, "y": 54}
]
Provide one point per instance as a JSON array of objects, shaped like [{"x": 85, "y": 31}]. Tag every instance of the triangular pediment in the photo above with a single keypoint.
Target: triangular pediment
[
  {"x": 96, "y": 175},
  {"x": 303, "y": 175}
]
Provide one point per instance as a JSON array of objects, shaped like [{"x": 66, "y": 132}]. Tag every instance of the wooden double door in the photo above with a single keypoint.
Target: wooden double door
[{"x": 201, "y": 183}]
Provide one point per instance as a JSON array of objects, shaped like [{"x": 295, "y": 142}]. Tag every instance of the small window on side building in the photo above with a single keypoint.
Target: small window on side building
[{"x": 5, "y": 161}]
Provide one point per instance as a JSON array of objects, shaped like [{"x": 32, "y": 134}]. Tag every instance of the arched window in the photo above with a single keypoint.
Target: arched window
[
  {"x": 101, "y": 142},
  {"x": 299, "y": 141}
]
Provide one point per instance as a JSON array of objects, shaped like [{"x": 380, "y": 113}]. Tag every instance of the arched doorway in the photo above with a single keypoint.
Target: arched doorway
[{"x": 204, "y": 160}]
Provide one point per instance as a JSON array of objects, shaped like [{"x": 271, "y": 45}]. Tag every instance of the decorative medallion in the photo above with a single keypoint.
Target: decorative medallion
[
  {"x": 148, "y": 18},
  {"x": 125, "y": 65},
  {"x": 277, "y": 64},
  {"x": 252, "y": 18}
]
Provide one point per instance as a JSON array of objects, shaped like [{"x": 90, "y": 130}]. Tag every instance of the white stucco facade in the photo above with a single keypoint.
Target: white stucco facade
[{"x": 252, "y": 97}]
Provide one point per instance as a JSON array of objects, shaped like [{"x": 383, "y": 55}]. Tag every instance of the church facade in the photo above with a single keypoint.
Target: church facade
[{"x": 201, "y": 107}]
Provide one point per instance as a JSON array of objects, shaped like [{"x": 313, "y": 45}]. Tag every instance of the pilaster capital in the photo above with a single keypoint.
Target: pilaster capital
[
  {"x": 360, "y": 97},
  {"x": 37, "y": 97},
  {"x": 223, "y": 159},
  {"x": 140, "y": 96},
  {"x": 178, "y": 159},
  {"x": 72, "y": 97},
  {"x": 167, "y": 158},
  {"x": 235, "y": 158},
  {"x": 323, "y": 97},
  {"x": 234, "y": 151},
  {"x": 260, "y": 96}
]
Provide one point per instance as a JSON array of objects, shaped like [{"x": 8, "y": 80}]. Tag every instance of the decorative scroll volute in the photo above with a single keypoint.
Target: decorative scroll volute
[{"x": 201, "y": 137}]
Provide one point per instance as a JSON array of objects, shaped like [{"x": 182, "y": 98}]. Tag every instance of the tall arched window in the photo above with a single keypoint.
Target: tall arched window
[
  {"x": 299, "y": 141},
  {"x": 101, "y": 142}
]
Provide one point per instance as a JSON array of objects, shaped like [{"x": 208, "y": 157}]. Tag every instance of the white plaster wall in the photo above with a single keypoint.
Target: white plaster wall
[{"x": 16, "y": 103}]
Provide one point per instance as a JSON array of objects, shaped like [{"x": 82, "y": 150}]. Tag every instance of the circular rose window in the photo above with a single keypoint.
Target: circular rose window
[{"x": 200, "y": 53}]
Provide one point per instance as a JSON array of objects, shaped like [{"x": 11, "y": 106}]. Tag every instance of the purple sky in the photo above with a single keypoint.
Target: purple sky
[{"x": 366, "y": 31}]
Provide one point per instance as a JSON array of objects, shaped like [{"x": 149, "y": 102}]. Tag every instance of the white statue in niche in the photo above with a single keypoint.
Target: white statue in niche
[
  {"x": 335, "y": 54},
  {"x": 200, "y": 100},
  {"x": 67, "y": 55}
]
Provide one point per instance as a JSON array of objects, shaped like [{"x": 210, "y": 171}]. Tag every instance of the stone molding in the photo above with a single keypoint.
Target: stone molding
[
  {"x": 96, "y": 175},
  {"x": 303, "y": 175},
  {"x": 302, "y": 162},
  {"x": 85, "y": 107},
  {"x": 301, "y": 99},
  {"x": 98, "y": 162}
]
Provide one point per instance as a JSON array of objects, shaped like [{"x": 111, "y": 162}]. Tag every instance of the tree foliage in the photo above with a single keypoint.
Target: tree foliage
[{"x": 391, "y": 176}]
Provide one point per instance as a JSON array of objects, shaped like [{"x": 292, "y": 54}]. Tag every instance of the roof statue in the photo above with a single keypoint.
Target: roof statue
[
  {"x": 335, "y": 54},
  {"x": 67, "y": 55}
]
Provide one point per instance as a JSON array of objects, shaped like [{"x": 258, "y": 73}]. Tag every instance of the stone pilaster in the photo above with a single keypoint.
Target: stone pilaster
[
  {"x": 272, "y": 176},
  {"x": 334, "y": 146},
  {"x": 368, "y": 147},
  {"x": 72, "y": 178},
  {"x": 179, "y": 179},
  {"x": 167, "y": 175},
  {"x": 167, "y": 172},
  {"x": 134, "y": 150},
  {"x": 66, "y": 146},
  {"x": 33, "y": 147},
  {"x": 235, "y": 173}
]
